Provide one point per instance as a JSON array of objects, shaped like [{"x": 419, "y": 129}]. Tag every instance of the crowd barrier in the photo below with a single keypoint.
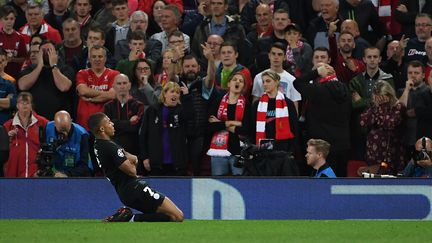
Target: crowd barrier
[{"x": 226, "y": 198}]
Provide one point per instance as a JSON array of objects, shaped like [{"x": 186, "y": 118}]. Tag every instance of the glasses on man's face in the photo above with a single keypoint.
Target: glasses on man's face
[
  {"x": 213, "y": 44},
  {"x": 141, "y": 69},
  {"x": 422, "y": 25},
  {"x": 176, "y": 41}
]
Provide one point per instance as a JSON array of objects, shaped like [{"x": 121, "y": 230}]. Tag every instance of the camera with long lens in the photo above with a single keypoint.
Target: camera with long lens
[
  {"x": 423, "y": 154},
  {"x": 45, "y": 157}
]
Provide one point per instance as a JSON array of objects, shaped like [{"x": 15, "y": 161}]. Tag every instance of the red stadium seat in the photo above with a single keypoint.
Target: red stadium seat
[{"x": 353, "y": 166}]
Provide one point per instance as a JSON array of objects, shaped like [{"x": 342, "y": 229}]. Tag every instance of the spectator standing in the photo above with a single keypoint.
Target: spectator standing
[
  {"x": 360, "y": 43},
  {"x": 415, "y": 48},
  {"x": 170, "y": 20},
  {"x": 20, "y": 7},
  {"x": 409, "y": 97},
  {"x": 342, "y": 59},
  {"x": 274, "y": 116},
  {"x": 82, "y": 10},
  {"x": 49, "y": 81},
  {"x": 229, "y": 66},
  {"x": 7, "y": 91},
  {"x": 384, "y": 120},
  {"x": 36, "y": 25},
  {"x": 328, "y": 113},
  {"x": 229, "y": 120},
  {"x": 144, "y": 87},
  {"x": 119, "y": 29},
  {"x": 318, "y": 29},
  {"x": 202, "y": 93},
  {"x": 11, "y": 41},
  {"x": 94, "y": 85},
  {"x": 162, "y": 135},
  {"x": 406, "y": 13},
  {"x": 364, "y": 13},
  {"x": 277, "y": 57},
  {"x": 152, "y": 49},
  {"x": 225, "y": 26},
  {"x": 24, "y": 138},
  {"x": 126, "y": 114},
  {"x": 394, "y": 64},
  {"x": 72, "y": 46},
  {"x": 59, "y": 12}
]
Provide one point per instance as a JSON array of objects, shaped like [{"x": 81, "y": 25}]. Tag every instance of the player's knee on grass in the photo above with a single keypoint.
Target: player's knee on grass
[{"x": 169, "y": 208}]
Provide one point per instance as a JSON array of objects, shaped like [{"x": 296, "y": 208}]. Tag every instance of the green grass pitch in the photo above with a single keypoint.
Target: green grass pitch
[{"x": 208, "y": 231}]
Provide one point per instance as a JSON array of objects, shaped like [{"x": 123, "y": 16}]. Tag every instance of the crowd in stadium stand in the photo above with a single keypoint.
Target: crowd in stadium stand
[{"x": 189, "y": 83}]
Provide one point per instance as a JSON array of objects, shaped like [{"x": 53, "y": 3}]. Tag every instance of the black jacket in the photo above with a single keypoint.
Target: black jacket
[
  {"x": 423, "y": 110},
  {"x": 365, "y": 15},
  {"x": 328, "y": 112},
  {"x": 151, "y": 142},
  {"x": 407, "y": 19},
  {"x": 50, "y": 18}
]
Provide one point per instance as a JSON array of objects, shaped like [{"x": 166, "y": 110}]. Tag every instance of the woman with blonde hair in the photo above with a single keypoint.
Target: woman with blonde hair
[
  {"x": 274, "y": 116},
  {"x": 383, "y": 119},
  {"x": 162, "y": 137},
  {"x": 171, "y": 66}
]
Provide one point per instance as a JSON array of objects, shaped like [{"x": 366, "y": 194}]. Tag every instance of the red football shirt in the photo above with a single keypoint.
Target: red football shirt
[
  {"x": 102, "y": 83},
  {"x": 13, "y": 43}
]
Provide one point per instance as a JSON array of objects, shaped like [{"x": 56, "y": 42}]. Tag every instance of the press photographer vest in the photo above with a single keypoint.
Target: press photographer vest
[{"x": 68, "y": 154}]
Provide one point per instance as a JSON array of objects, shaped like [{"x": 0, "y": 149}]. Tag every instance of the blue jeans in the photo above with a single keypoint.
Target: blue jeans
[{"x": 222, "y": 165}]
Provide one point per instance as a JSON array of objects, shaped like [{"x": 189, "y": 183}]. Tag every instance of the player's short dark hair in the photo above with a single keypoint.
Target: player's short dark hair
[
  {"x": 94, "y": 121},
  {"x": 137, "y": 35},
  {"x": 279, "y": 45},
  {"x": 345, "y": 33},
  {"x": 190, "y": 57},
  {"x": 6, "y": 10},
  {"x": 229, "y": 43},
  {"x": 119, "y": 2},
  {"x": 416, "y": 64},
  {"x": 322, "y": 48},
  {"x": 71, "y": 20},
  {"x": 98, "y": 47},
  {"x": 281, "y": 10},
  {"x": 371, "y": 48},
  {"x": 176, "y": 33},
  {"x": 97, "y": 29},
  {"x": 176, "y": 11}
]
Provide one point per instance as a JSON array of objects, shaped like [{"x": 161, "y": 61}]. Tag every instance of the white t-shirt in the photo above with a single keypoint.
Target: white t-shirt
[{"x": 286, "y": 86}]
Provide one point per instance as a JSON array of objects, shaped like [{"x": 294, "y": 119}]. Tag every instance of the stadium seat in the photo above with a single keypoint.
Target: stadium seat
[{"x": 353, "y": 166}]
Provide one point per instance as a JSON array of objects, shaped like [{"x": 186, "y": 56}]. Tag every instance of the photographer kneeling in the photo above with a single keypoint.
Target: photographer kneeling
[
  {"x": 66, "y": 150},
  {"x": 421, "y": 162}
]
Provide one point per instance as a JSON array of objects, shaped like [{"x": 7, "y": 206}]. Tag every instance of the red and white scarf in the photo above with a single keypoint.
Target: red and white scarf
[
  {"x": 289, "y": 51},
  {"x": 219, "y": 142},
  {"x": 283, "y": 129}
]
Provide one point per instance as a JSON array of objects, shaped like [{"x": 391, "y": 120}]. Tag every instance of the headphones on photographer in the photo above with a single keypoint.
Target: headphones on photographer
[{"x": 423, "y": 143}]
